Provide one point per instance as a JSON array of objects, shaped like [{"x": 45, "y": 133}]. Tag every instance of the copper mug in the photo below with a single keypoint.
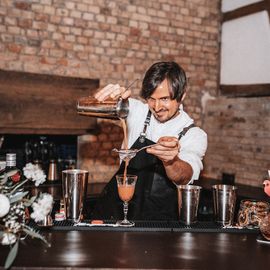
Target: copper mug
[
  {"x": 53, "y": 172},
  {"x": 110, "y": 109}
]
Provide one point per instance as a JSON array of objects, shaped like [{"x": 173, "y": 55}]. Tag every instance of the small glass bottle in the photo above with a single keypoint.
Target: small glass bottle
[
  {"x": 61, "y": 215},
  {"x": 13, "y": 174}
]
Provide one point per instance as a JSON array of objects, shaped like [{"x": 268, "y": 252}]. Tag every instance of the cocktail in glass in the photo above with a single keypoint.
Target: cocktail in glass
[{"x": 126, "y": 187}]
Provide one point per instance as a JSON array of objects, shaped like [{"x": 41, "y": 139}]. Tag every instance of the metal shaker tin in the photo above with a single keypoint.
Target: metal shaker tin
[{"x": 110, "y": 109}]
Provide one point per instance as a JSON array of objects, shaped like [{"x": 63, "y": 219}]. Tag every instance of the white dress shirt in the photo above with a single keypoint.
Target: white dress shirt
[{"x": 193, "y": 143}]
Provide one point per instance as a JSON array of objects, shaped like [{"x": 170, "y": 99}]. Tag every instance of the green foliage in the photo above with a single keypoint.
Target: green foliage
[{"x": 12, "y": 255}]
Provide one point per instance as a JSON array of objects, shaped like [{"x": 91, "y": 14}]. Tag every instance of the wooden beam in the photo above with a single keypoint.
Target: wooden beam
[
  {"x": 43, "y": 104},
  {"x": 246, "y": 10},
  {"x": 251, "y": 90},
  {"x": 268, "y": 7}
]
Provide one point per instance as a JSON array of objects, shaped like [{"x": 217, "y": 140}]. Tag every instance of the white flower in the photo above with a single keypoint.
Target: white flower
[
  {"x": 34, "y": 173},
  {"x": 8, "y": 239},
  {"x": 42, "y": 207},
  {"x": 4, "y": 205}
]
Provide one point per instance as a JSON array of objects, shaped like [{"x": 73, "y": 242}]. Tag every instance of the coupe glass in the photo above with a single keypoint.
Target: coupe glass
[{"x": 126, "y": 187}]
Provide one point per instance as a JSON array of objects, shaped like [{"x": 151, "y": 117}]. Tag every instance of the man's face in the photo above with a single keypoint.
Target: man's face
[{"x": 161, "y": 105}]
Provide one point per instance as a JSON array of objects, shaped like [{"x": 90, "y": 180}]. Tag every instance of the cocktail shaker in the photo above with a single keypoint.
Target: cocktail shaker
[
  {"x": 110, "y": 109},
  {"x": 224, "y": 203},
  {"x": 188, "y": 203},
  {"x": 74, "y": 186}
]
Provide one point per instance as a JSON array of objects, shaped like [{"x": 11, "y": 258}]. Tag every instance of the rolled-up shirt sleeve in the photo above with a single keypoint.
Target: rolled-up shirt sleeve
[{"x": 192, "y": 150}]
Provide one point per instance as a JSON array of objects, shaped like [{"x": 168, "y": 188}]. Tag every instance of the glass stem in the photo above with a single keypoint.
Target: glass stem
[{"x": 125, "y": 210}]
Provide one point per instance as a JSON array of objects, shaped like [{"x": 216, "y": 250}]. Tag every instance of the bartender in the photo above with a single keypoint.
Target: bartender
[{"x": 176, "y": 159}]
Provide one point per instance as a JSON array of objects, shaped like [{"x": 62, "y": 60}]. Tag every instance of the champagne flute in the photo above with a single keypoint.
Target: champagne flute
[{"x": 126, "y": 187}]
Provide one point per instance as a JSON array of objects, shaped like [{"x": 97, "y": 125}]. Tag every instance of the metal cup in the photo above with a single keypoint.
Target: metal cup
[
  {"x": 188, "y": 202},
  {"x": 74, "y": 184},
  {"x": 52, "y": 172},
  {"x": 110, "y": 109},
  {"x": 224, "y": 203}
]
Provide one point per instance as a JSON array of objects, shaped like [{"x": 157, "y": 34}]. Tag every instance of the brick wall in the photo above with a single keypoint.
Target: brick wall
[
  {"x": 115, "y": 41},
  {"x": 239, "y": 138}
]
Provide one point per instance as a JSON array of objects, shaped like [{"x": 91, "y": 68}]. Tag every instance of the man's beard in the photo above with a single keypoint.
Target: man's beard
[{"x": 167, "y": 119}]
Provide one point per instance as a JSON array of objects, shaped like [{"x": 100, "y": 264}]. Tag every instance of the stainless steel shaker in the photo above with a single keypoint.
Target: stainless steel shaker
[
  {"x": 74, "y": 184},
  {"x": 224, "y": 198},
  {"x": 110, "y": 109},
  {"x": 188, "y": 203}
]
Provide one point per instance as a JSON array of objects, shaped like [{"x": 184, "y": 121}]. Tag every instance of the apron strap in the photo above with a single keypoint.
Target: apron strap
[
  {"x": 146, "y": 124},
  {"x": 185, "y": 130}
]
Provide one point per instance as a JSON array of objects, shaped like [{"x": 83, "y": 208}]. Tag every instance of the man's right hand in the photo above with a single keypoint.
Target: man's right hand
[{"x": 113, "y": 91}]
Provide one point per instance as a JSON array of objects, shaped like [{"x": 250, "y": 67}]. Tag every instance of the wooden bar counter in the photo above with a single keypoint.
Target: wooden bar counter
[
  {"x": 110, "y": 249},
  {"x": 145, "y": 248}
]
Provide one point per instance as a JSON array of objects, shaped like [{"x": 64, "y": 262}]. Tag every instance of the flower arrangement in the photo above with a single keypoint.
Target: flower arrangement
[{"x": 15, "y": 203}]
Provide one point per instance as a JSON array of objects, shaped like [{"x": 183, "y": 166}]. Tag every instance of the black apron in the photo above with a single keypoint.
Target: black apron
[{"x": 155, "y": 196}]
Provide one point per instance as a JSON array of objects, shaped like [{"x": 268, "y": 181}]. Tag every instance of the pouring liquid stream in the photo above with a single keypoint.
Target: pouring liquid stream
[
  {"x": 126, "y": 154},
  {"x": 124, "y": 125}
]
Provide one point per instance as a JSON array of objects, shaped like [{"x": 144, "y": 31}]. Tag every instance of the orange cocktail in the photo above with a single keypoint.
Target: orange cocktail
[
  {"x": 126, "y": 187},
  {"x": 126, "y": 192}
]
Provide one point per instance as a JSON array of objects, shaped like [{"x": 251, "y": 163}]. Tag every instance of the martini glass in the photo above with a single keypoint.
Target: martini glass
[{"x": 126, "y": 187}]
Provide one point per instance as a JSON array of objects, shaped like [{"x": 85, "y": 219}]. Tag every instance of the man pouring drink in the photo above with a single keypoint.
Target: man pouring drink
[{"x": 176, "y": 155}]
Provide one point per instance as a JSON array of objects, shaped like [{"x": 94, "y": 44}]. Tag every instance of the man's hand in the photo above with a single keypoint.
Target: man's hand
[
  {"x": 166, "y": 150},
  {"x": 113, "y": 91}
]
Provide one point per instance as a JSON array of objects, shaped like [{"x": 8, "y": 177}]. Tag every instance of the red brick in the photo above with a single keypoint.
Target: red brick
[
  {"x": 42, "y": 17},
  {"x": 14, "y": 48},
  {"x": 25, "y": 23},
  {"x": 24, "y": 5},
  {"x": 135, "y": 31},
  {"x": 102, "y": 137},
  {"x": 62, "y": 61}
]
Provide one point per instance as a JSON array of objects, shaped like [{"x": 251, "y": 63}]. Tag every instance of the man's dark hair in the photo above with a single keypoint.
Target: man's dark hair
[{"x": 160, "y": 71}]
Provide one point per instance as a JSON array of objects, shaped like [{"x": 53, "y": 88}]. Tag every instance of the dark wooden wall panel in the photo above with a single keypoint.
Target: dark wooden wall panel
[
  {"x": 245, "y": 10},
  {"x": 43, "y": 104},
  {"x": 248, "y": 90}
]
